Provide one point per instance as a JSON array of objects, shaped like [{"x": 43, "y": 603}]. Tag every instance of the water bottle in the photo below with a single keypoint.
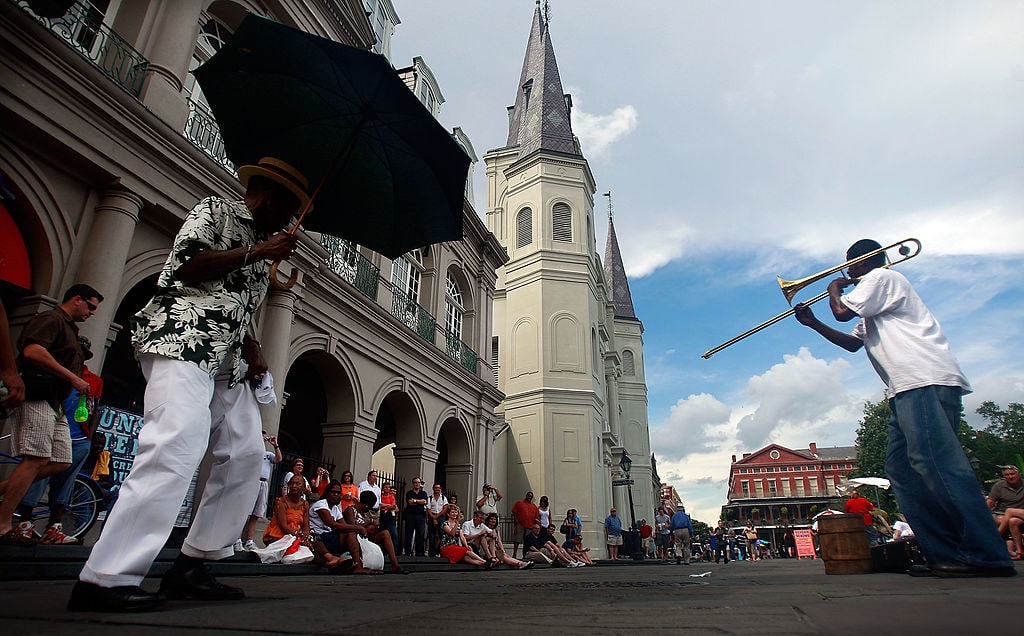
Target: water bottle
[{"x": 82, "y": 412}]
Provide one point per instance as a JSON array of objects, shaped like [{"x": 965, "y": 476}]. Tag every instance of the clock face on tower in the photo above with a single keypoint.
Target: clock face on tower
[{"x": 774, "y": 454}]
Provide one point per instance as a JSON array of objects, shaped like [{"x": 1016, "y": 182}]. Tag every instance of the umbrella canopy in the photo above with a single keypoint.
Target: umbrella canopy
[
  {"x": 879, "y": 482},
  {"x": 391, "y": 177}
]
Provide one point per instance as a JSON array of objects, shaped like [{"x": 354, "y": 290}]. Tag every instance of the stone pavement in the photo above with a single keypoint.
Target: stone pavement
[{"x": 766, "y": 597}]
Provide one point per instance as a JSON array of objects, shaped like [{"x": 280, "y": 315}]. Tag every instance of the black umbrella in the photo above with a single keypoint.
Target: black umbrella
[{"x": 388, "y": 175}]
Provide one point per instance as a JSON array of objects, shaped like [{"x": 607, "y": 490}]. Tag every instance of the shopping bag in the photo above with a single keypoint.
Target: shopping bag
[
  {"x": 273, "y": 552},
  {"x": 302, "y": 554},
  {"x": 373, "y": 556}
]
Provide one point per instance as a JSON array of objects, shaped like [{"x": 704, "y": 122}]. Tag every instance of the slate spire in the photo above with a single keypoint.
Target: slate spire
[
  {"x": 540, "y": 118},
  {"x": 615, "y": 274}
]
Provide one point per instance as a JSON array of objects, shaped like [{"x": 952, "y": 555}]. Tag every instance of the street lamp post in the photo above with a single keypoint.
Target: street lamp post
[{"x": 626, "y": 463}]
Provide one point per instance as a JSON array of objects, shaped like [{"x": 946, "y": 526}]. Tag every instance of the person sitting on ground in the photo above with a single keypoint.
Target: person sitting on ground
[
  {"x": 480, "y": 537},
  {"x": 901, "y": 530},
  {"x": 491, "y": 521},
  {"x": 1006, "y": 499},
  {"x": 453, "y": 543},
  {"x": 291, "y": 514},
  {"x": 574, "y": 548},
  {"x": 538, "y": 547},
  {"x": 331, "y": 537},
  {"x": 358, "y": 515}
]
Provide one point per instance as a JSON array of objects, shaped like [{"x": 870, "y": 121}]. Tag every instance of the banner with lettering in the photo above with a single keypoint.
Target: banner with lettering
[{"x": 122, "y": 431}]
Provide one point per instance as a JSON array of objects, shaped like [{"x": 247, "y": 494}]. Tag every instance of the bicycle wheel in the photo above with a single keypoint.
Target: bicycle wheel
[{"x": 83, "y": 508}]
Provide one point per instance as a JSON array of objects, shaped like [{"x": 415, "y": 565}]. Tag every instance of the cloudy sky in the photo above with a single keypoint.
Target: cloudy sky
[{"x": 744, "y": 140}]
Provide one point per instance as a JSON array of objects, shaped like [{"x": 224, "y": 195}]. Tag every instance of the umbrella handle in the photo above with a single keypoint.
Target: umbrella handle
[{"x": 279, "y": 284}]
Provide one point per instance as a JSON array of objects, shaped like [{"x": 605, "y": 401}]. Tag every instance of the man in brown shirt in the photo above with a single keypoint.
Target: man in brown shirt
[
  {"x": 51, "y": 360},
  {"x": 1006, "y": 499}
]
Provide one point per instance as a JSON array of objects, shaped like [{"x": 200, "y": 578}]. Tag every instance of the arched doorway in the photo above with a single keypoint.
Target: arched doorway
[{"x": 123, "y": 383}]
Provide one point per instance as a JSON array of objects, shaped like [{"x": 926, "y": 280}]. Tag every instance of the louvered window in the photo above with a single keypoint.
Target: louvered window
[
  {"x": 561, "y": 223},
  {"x": 628, "y": 364},
  {"x": 524, "y": 227}
]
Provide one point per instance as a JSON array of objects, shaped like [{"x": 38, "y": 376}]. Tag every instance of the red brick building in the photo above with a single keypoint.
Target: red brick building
[{"x": 778, "y": 487}]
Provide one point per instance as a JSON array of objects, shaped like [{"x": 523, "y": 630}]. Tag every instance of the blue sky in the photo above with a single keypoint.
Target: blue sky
[{"x": 745, "y": 140}]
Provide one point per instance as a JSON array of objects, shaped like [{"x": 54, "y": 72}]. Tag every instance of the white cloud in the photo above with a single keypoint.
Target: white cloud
[
  {"x": 803, "y": 391},
  {"x": 597, "y": 133},
  {"x": 694, "y": 426}
]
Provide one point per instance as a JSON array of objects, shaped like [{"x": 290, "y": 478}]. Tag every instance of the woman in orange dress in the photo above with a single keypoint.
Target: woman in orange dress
[{"x": 291, "y": 514}]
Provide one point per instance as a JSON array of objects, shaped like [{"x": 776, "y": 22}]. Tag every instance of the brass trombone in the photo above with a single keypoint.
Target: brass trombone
[{"x": 908, "y": 249}]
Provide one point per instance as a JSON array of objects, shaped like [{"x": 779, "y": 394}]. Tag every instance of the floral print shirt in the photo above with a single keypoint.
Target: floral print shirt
[{"x": 204, "y": 322}]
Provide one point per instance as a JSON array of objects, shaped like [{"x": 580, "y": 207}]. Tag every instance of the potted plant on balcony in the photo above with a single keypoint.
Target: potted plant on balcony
[{"x": 755, "y": 514}]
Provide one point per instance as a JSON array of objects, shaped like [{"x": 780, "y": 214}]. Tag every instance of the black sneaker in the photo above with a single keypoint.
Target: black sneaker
[{"x": 198, "y": 584}]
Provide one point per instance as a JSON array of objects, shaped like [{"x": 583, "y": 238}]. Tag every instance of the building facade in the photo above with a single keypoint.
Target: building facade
[
  {"x": 778, "y": 487},
  {"x": 106, "y": 146},
  {"x": 567, "y": 344}
]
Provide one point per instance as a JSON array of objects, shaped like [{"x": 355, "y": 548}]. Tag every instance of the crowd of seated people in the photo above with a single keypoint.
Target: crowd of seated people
[{"x": 336, "y": 519}]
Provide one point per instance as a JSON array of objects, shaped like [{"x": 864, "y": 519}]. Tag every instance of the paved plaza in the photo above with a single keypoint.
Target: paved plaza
[{"x": 767, "y": 597}]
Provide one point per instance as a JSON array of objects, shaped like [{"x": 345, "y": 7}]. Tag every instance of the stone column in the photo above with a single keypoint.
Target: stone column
[
  {"x": 459, "y": 479},
  {"x": 278, "y": 314},
  {"x": 175, "y": 31},
  {"x": 351, "y": 446},
  {"x": 103, "y": 260},
  {"x": 415, "y": 462}
]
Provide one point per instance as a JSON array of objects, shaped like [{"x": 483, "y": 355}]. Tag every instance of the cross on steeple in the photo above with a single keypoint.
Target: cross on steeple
[{"x": 610, "y": 210}]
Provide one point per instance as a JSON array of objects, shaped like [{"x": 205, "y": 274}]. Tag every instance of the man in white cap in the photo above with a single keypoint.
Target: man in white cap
[{"x": 190, "y": 340}]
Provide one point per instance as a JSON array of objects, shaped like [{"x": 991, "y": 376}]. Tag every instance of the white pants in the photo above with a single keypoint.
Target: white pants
[{"x": 186, "y": 412}]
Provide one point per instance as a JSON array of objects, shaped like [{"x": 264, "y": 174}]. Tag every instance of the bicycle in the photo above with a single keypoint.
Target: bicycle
[{"x": 85, "y": 503}]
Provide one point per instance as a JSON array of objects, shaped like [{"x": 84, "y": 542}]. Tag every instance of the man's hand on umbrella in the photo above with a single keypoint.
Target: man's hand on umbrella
[{"x": 278, "y": 247}]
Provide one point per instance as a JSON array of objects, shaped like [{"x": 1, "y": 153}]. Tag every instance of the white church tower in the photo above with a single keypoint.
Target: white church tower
[{"x": 567, "y": 411}]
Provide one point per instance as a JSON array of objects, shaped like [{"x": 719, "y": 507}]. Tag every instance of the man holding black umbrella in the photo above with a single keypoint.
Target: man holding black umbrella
[{"x": 190, "y": 340}]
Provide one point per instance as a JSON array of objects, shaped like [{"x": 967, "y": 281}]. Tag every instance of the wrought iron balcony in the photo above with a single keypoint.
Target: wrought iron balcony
[
  {"x": 413, "y": 315},
  {"x": 82, "y": 29},
  {"x": 460, "y": 351},
  {"x": 345, "y": 260},
  {"x": 204, "y": 133}
]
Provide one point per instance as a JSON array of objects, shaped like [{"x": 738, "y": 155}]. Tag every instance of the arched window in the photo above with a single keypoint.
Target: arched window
[
  {"x": 453, "y": 307},
  {"x": 561, "y": 223},
  {"x": 201, "y": 129},
  {"x": 405, "y": 281},
  {"x": 524, "y": 227},
  {"x": 628, "y": 363}
]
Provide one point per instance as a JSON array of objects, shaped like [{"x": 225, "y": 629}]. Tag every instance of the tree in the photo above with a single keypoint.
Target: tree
[
  {"x": 872, "y": 441},
  {"x": 1001, "y": 442}
]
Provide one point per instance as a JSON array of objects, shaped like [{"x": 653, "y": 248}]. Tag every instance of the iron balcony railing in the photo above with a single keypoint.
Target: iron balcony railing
[
  {"x": 204, "y": 133},
  {"x": 460, "y": 351},
  {"x": 82, "y": 29},
  {"x": 413, "y": 315},
  {"x": 345, "y": 260}
]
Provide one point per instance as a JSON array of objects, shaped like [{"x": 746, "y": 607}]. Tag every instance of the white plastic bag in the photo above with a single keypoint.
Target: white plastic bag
[
  {"x": 273, "y": 552},
  {"x": 302, "y": 555},
  {"x": 373, "y": 556}
]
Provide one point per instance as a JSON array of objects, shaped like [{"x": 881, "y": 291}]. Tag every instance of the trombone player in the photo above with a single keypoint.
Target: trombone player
[{"x": 931, "y": 477}]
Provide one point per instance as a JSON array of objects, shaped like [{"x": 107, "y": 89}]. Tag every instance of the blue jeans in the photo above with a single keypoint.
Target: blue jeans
[{"x": 933, "y": 482}]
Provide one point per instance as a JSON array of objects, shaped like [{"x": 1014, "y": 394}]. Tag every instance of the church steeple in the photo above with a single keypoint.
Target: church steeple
[
  {"x": 540, "y": 118},
  {"x": 614, "y": 272}
]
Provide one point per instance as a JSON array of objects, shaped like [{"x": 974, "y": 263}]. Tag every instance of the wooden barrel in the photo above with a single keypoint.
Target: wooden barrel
[{"x": 844, "y": 544}]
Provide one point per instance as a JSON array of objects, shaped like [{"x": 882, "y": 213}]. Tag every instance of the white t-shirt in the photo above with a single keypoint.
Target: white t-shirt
[
  {"x": 268, "y": 464},
  {"x": 904, "y": 529},
  {"x": 902, "y": 338},
  {"x": 472, "y": 531},
  {"x": 316, "y": 524},
  {"x": 436, "y": 505}
]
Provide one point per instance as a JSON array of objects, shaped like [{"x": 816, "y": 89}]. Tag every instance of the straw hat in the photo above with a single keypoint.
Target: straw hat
[{"x": 280, "y": 172}]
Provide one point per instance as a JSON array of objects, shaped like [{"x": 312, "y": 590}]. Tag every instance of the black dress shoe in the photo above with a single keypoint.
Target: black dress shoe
[
  {"x": 964, "y": 571},
  {"x": 89, "y": 597},
  {"x": 197, "y": 583},
  {"x": 919, "y": 570}
]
